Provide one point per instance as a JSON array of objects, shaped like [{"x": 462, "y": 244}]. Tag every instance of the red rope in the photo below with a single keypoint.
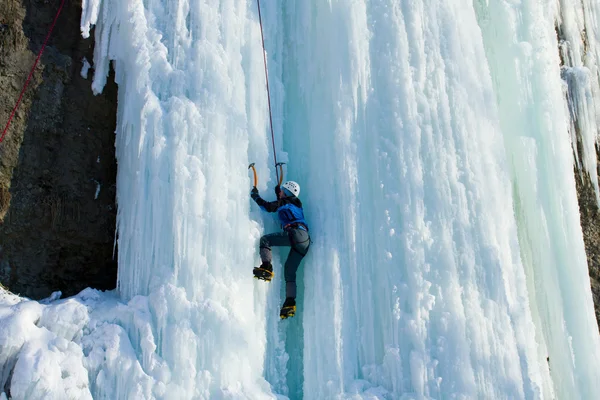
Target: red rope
[
  {"x": 268, "y": 91},
  {"x": 31, "y": 72}
]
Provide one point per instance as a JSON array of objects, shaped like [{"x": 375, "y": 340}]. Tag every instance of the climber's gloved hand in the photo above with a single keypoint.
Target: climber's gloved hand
[
  {"x": 254, "y": 192},
  {"x": 277, "y": 190}
]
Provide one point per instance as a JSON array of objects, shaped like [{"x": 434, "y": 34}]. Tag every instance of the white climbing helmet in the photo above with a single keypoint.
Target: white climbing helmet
[{"x": 292, "y": 187}]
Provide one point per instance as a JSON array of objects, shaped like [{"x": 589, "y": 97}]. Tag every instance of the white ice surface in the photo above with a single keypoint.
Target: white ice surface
[{"x": 433, "y": 144}]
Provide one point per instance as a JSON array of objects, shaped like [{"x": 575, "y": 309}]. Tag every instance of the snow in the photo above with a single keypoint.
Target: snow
[
  {"x": 98, "y": 187},
  {"x": 85, "y": 68},
  {"x": 40, "y": 354},
  {"x": 434, "y": 148}
]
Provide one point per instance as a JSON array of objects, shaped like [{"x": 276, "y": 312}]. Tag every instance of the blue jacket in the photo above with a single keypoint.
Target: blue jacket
[{"x": 289, "y": 210}]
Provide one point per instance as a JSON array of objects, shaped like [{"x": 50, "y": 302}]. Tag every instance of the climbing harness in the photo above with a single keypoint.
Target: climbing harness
[{"x": 31, "y": 72}]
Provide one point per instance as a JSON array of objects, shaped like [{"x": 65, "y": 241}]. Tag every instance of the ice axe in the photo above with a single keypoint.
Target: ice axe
[
  {"x": 255, "y": 176},
  {"x": 280, "y": 165},
  {"x": 280, "y": 175}
]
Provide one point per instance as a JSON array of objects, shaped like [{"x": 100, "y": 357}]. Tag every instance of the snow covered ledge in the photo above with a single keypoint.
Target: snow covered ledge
[
  {"x": 52, "y": 350},
  {"x": 40, "y": 347}
]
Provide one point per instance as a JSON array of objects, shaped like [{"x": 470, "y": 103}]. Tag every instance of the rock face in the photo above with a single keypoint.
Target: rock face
[
  {"x": 588, "y": 205},
  {"x": 590, "y": 219},
  {"x": 57, "y": 163}
]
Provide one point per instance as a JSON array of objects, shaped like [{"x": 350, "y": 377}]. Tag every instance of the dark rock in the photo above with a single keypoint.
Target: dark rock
[
  {"x": 56, "y": 236},
  {"x": 590, "y": 214}
]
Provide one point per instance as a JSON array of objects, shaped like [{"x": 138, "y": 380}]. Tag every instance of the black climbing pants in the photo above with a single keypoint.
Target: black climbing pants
[{"x": 299, "y": 241}]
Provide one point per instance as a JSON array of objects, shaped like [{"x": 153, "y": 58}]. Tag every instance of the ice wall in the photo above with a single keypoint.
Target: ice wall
[{"x": 431, "y": 141}]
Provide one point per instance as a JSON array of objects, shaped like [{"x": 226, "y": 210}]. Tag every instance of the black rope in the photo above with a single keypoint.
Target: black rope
[{"x": 268, "y": 91}]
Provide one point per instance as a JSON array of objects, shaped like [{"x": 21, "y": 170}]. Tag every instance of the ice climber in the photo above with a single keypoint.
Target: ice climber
[{"x": 295, "y": 234}]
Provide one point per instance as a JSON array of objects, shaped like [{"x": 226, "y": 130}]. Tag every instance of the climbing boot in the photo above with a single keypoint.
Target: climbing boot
[
  {"x": 288, "y": 309},
  {"x": 264, "y": 272}
]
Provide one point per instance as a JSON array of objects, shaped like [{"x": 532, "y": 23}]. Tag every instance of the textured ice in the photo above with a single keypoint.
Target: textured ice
[{"x": 434, "y": 145}]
